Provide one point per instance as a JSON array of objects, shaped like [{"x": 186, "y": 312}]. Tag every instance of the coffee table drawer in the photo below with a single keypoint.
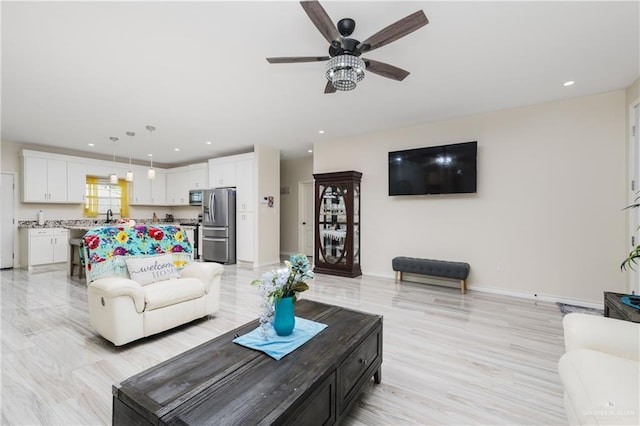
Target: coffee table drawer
[
  {"x": 319, "y": 408},
  {"x": 358, "y": 364}
]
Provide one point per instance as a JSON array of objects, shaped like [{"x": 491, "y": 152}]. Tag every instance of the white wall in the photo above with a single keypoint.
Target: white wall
[
  {"x": 551, "y": 186},
  {"x": 267, "y": 225},
  {"x": 292, "y": 171}
]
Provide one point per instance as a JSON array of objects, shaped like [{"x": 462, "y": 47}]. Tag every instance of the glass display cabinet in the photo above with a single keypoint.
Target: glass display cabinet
[{"x": 337, "y": 236}]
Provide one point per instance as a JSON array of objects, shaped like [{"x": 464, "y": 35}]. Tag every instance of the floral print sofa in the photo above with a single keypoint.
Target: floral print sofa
[{"x": 142, "y": 280}]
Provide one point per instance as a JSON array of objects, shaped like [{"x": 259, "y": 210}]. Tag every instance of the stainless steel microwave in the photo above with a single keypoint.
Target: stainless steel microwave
[{"x": 195, "y": 197}]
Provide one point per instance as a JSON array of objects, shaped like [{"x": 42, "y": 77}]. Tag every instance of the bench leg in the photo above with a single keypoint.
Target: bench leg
[
  {"x": 463, "y": 286},
  {"x": 396, "y": 276}
]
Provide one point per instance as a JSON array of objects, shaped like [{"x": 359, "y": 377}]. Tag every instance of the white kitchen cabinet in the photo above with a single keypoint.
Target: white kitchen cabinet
[
  {"x": 178, "y": 187},
  {"x": 159, "y": 189},
  {"x": 222, "y": 172},
  {"x": 140, "y": 191},
  {"x": 76, "y": 182},
  {"x": 244, "y": 236},
  {"x": 180, "y": 180},
  {"x": 244, "y": 185},
  {"x": 41, "y": 246},
  {"x": 198, "y": 176},
  {"x": 149, "y": 192},
  {"x": 44, "y": 180}
]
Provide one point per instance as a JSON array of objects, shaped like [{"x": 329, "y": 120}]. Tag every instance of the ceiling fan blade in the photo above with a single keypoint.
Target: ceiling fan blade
[
  {"x": 329, "y": 88},
  {"x": 385, "y": 70},
  {"x": 393, "y": 32},
  {"x": 322, "y": 21},
  {"x": 293, "y": 59}
]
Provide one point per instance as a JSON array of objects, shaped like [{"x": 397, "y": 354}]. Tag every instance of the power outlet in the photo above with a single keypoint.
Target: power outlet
[{"x": 500, "y": 266}]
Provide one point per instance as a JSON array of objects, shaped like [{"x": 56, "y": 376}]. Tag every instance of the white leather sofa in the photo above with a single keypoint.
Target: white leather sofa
[
  {"x": 122, "y": 309},
  {"x": 600, "y": 371}
]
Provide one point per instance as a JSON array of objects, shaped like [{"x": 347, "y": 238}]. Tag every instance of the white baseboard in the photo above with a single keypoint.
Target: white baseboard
[
  {"x": 267, "y": 263},
  {"x": 552, "y": 298}
]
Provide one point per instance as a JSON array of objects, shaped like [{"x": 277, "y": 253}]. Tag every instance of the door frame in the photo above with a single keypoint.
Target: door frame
[
  {"x": 12, "y": 229},
  {"x": 301, "y": 208},
  {"x": 634, "y": 188}
]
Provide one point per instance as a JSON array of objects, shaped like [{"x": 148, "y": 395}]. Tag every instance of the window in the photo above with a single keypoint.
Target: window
[{"x": 102, "y": 196}]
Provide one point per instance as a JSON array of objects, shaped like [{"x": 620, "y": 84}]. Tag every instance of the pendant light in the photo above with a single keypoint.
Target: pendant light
[
  {"x": 151, "y": 173},
  {"x": 129, "y": 177},
  {"x": 113, "y": 177}
]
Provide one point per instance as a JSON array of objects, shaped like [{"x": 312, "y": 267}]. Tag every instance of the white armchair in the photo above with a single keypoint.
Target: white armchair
[
  {"x": 122, "y": 309},
  {"x": 600, "y": 370}
]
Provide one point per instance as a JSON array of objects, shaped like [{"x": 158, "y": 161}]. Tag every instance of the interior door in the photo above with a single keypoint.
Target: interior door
[
  {"x": 7, "y": 226},
  {"x": 305, "y": 218}
]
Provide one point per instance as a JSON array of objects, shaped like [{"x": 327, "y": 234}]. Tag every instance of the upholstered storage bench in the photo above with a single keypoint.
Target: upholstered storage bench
[
  {"x": 435, "y": 268},
  {"x": 142, "y": 281}
]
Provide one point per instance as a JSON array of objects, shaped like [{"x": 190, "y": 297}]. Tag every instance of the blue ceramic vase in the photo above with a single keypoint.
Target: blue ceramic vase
[{"x": 284, "y": 320}]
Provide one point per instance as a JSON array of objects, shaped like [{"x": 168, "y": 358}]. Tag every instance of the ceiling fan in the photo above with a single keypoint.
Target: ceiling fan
[{"x": 345, "y": 67}]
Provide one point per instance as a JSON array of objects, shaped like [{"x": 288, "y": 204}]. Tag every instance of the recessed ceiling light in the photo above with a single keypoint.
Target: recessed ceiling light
[
  {"x": 569, "y": 83},
  {"x": 176, "y": 149},
  {"x": 321, "y": 131},
  {"x": 209, "y": 142},
  {"x": 310, "y": 151},
  {"x": 91, "y": 144}
]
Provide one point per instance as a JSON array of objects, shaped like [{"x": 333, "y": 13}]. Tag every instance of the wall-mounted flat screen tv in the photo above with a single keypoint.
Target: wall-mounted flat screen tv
[{"x": 446, "y": 169}]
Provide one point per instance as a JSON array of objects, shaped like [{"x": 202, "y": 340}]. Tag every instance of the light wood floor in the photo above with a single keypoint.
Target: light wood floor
[{"x": 448, "y": 358}]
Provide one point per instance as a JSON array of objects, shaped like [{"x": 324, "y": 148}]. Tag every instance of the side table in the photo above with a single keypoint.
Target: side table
[{"x": 614, "y": 308}]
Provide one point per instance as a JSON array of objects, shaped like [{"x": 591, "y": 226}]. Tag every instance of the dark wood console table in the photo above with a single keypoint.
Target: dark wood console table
[
  {"x": 614, "y": 308},
  {"x": 220, "y": 382}
]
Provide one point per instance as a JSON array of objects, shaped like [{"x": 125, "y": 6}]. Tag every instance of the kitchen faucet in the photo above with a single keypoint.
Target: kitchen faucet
[{"x": 109, "y": 216}]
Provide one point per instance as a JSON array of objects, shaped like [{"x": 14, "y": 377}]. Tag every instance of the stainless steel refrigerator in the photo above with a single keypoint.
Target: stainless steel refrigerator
[{"x": 219, "y": 225}]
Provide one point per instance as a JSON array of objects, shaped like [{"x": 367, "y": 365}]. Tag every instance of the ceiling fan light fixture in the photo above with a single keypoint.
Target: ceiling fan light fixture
[{"x": 345, "y": 71}]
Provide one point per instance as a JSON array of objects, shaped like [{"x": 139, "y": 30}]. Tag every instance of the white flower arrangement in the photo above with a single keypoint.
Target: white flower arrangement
[{"x": 281, "y": 283}]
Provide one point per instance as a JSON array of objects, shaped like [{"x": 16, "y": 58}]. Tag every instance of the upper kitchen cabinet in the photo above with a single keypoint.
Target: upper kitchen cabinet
[
  {"x": 222, "y": 172},
  {"x": 180, "y": 180},
  {"x": 76, "y": 182},
  {"x": 198, "y": 176},
  {"x": 244, "y": 185},
  {"x": 227, "y": 171},
  {"x": 44, "y": 180},
  {"x": 149, "y": 192},
  {"x": 178, "y": 186}
]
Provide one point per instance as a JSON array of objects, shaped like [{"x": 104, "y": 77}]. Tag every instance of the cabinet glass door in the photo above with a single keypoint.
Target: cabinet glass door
[
  {"x": 356, "y": 224},
  {"x": 333, "y": 224}
]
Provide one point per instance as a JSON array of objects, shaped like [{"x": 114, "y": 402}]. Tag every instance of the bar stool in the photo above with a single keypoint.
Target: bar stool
[{"x": 75, "y": 256}]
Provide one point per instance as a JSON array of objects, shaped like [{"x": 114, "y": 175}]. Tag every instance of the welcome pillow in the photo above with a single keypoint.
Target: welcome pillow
[{"x": 147, "y": 270}]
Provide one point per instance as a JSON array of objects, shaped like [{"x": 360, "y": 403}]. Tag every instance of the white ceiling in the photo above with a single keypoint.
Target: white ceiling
[{"x": 75, "y": 73}]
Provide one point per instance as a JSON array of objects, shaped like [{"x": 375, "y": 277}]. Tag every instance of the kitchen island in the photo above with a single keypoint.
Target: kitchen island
[{"x": 49, "y": 243}]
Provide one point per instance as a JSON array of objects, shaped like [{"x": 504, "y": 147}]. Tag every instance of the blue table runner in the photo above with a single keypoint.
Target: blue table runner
[
  {"x": 278, "y": 346},
  {"x": 628, "y": 300}
]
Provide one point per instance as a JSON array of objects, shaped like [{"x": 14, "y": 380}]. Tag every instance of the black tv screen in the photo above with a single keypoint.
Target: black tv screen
[{"x": 446, "y": 169}]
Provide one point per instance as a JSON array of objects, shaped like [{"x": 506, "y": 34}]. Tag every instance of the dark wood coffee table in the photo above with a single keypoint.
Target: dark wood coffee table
[
  {"x": 614, "y": 308},
  {"x": 220, "y": 382}
]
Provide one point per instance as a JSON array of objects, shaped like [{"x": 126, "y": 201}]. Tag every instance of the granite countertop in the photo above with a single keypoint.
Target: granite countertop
[{"x": 86, "y": 224}]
